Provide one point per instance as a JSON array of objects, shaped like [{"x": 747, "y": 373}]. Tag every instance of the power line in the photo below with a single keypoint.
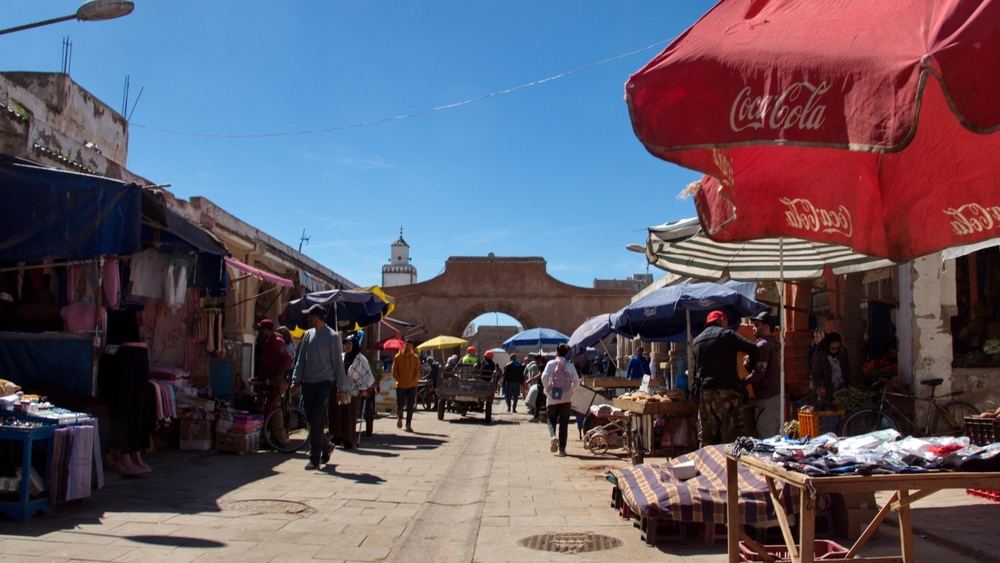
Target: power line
[{"x": 405, "y": 116}]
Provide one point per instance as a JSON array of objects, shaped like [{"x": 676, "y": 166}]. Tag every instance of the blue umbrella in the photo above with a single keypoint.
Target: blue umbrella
[
  {"x": 345, "y": 308},
  {"x": 534, "y": 339},
  {"x": 662, "y": 316},
  {"x": 592, "y": 331}
]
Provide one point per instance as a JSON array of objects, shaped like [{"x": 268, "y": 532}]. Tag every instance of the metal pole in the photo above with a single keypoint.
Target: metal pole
[
  {"x": 37, "y": 24},
  {"x": 690, "y": 352},
  {"x": 781, "y": 319}
]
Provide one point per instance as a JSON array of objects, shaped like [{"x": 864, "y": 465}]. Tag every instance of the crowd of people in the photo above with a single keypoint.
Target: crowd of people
[{"x": 334, "y": 378}]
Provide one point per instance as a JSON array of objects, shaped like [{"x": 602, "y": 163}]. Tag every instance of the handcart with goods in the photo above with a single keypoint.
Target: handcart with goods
[
  {"x": 612, "y": 435},
  {"x": 648, "y": 436},
  {"x": 466, "y": 389}
]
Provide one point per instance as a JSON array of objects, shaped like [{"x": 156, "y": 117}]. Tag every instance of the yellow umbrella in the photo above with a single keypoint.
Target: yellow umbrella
[
  {"x": 441, "y": 343},
  {"x": 381, "y": 295}
]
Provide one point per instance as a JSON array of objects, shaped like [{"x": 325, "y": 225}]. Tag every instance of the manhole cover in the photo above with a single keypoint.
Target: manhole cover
[
  {"x": 264, "y": 506},
  {"x": 570, "y": 542}
]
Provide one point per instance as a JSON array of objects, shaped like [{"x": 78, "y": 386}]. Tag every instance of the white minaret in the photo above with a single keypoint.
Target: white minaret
[{"x": 399, "y": 271}]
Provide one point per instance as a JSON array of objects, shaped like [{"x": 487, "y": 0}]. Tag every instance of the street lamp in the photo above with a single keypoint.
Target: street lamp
[{"x": 91, "y": 10}]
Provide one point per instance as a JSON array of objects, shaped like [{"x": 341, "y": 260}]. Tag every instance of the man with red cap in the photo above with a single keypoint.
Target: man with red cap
[
  {"x": 274, "y": 363},
  {"x": 716, "y": 386}
]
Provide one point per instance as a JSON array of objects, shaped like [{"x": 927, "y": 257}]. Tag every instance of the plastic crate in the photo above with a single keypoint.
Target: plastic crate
[
  {"x": 828, "y": 421},
  {"x": 823, "y": 549},
  {"x": 981, "y": 431},
  {"x": 984, "y": 493}
]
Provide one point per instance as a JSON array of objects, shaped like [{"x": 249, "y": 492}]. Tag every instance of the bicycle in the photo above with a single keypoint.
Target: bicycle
[
  {"x": 948, "y": 420},
  {"x": 295, "y": 423}
]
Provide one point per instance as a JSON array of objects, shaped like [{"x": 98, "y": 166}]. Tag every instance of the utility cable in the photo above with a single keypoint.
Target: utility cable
[{"x": 404, "y": 116}]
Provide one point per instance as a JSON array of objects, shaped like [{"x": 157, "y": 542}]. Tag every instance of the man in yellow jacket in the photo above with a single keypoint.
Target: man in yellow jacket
[{"x": 406, "y": 372}]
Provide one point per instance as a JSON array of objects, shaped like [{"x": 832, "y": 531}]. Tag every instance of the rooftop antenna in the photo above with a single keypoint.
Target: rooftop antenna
[
  {"x": 302, "y": 239},
  {"x": 125, "y": 97},
  {"x": 67, "y": 55}
]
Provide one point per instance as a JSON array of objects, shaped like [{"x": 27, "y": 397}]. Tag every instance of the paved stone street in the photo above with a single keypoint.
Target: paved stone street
[{"x": 454, "y": 491}]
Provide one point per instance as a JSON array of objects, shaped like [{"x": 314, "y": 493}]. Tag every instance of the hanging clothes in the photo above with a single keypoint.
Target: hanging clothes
[
  {"x": 175, "y": 290},
  {"x": 111, "y": 279},
  {"x": 147, "y": 274}
]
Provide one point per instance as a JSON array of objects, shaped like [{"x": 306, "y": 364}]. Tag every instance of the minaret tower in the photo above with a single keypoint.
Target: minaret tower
[{"x": 399, "y": 271}]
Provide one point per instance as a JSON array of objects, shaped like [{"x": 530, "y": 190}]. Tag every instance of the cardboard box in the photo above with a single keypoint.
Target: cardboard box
[
  {"x": 238, "y": 443},
  {"x": 853, "y": 500},
  {"x": 850, "y": 523},
  {"x": 196, "y": 435}
]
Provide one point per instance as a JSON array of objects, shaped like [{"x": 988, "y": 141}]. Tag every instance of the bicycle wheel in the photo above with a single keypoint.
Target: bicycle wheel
[
  {"x": 949, "y": 418},
  {"x": 427, "y": 399},
  {"x": 295, "y": 426},
  {"x": 863, "y": 421}
]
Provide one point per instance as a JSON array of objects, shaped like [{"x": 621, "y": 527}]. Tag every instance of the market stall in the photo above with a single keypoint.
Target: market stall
[
  {"x": 690, "y": 488},
  {"x": 908, "y": 488},
  {"x": 658, "y": 425},
  {"x": 879, "y": 461}
]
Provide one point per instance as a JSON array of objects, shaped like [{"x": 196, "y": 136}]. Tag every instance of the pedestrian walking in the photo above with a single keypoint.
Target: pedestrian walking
[
  {"x": 533, "y": 378},
  {"x": 559, "y": 380},
  {"x": 406, "y": 371},
  {"x": 319, "y": 367},
  {"x": 513, "y": 377},
  {"x": 360, "y": 381},
  {"x": 717, "y": 388},
  {"x": 765, "y": 376}
]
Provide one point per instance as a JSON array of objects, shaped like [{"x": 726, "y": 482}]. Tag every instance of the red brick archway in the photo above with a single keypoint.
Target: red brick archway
[{"x": 519, "y": 287}]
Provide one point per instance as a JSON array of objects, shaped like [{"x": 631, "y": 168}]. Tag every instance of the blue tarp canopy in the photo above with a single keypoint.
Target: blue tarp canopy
[
  {"x": 171, "y": 233},
  {"x": 53, "y": 214},
  {"x": 64, "y": 360},
  {"x": 661, "y": 316}
]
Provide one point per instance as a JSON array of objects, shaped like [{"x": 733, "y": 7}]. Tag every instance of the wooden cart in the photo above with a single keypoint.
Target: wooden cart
[
  {"x": 908, "y": 488},
  {"x": 466, "y": 389},
  {"x": 641, "y": 438}
]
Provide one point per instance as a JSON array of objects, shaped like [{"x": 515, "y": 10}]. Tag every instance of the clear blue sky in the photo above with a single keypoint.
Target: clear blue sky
[{"x": 552, "y": 170}]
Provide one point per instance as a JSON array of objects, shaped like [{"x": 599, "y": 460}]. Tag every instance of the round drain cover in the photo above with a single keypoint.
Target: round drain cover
[
  {"x": 264, "y": 506},
  {"x": 570, "y": 542}
]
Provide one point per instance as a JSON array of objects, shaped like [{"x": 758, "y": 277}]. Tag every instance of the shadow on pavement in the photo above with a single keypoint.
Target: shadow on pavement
[{"x": 360, "y": 478}]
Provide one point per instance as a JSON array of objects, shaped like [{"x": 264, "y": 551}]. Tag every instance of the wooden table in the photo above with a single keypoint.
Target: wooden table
[
  {"x": 641, "y": 439},
  {"x": 908, "y": 488}
]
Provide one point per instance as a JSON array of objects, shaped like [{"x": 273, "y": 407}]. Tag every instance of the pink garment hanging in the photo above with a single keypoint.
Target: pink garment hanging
[{"x": 112, "y": 283}]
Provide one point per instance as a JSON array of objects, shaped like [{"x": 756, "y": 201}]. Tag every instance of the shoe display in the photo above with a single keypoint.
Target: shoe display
[{"x": 555, "y": 445}]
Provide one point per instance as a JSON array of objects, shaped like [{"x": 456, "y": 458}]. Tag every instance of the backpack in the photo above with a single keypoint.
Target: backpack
[{"x": 560, "y": 386}]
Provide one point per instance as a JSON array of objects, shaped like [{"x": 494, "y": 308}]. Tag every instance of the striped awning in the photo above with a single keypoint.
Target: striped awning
[{"x": 682, "y": 248}]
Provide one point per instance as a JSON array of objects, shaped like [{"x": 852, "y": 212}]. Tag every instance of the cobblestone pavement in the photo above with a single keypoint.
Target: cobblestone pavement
[{"x": 454, "y": 491}]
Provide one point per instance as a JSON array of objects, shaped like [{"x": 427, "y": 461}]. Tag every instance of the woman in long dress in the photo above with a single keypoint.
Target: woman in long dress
[{"x": 344, "y": 418}]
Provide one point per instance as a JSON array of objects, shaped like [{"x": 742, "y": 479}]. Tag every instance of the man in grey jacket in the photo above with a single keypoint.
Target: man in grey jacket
[{"x": 319, "y": 366}]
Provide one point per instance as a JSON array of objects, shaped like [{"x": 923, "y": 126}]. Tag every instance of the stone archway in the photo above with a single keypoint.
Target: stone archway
[
  {"x": 484, "y": 307},
  {"x": 519, "y": 287}
]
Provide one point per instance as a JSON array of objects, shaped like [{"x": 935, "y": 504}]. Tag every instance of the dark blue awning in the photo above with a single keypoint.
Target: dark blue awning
[{"x": 53, "y": 214}]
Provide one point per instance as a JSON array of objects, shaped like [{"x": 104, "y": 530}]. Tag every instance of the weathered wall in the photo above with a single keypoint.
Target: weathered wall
[
  {"x": 519, "y": 287},
  {"x": 50, "y": 118}
]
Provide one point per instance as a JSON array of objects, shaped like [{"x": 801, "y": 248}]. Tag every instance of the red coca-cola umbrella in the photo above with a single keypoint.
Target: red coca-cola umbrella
[
  {"x": 862, "y": 123},
  {"x": 390, "y": 345}
]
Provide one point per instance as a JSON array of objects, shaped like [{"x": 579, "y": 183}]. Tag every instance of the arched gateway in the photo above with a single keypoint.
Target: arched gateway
[{"x": 519, "y": 287}]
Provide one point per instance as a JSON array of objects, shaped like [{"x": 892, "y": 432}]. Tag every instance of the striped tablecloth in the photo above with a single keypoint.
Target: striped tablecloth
[{"x": 651, "y": 490}]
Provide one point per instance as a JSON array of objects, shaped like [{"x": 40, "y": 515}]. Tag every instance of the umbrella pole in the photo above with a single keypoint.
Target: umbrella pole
[
  {"x": 781, "y": 319},
  {"x": 690, "y": 354}
]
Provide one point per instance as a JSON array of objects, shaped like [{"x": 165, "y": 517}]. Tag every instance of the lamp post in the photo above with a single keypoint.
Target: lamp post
[{"x": 92, "y": 10}]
